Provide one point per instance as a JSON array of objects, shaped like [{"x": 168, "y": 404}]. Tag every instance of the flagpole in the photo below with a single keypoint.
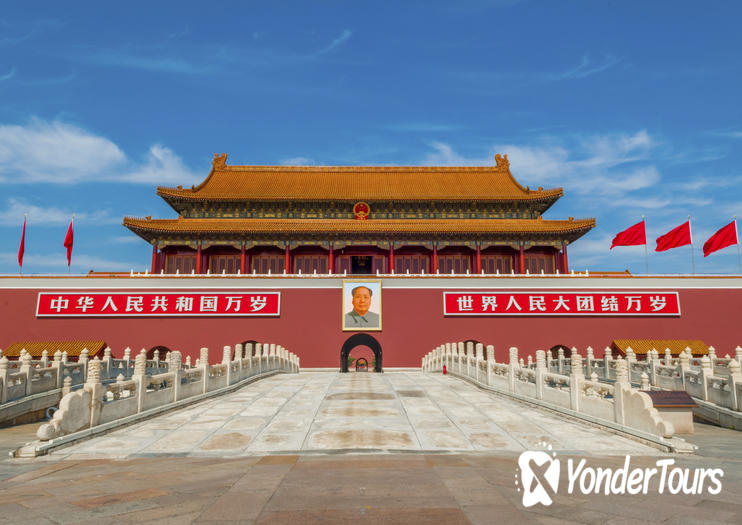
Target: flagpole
[
  {"x": 692, "y": 257},
  {"x": 736, "y": 235},
  {"x": 72, "y": 225},
  {"x": 646, "y": 252},
  {"x": 23, "y": 240}
]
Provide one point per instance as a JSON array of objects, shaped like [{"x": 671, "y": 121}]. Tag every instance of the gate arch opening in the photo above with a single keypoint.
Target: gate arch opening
[{"x": 360, "y": 340}]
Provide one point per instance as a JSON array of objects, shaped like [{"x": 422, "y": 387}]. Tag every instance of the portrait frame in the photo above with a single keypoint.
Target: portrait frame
[{"x": 374, "y": 285}]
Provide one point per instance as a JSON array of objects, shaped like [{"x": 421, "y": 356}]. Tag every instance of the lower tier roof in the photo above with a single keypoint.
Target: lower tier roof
[{"x": 151, "y": 228}]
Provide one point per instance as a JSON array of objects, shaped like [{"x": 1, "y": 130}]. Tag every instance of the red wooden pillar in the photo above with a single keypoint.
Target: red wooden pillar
[
  {"x": 199, "y": 265},
  {"x": 478, "y": 260},
  {"x": 565, "y": 265},
  {"x": 287, "y": 259},
  {"x": 331, "y": 261},
  {"x": 391, "y": 257},
  {"x": 154, "y": 259},
  {"x": 521, "y": 261},
  {"x": 243, "y": 260},
  {"x": 435, "y": 258}
]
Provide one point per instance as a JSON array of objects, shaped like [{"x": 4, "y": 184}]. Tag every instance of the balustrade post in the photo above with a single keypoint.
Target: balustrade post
[
  {"x": 140, "y": 378},
  {"x": 479, "y": 348},
  {"x": 668, "y": 357},
  {"x": 4, "y": 379},
  {"x": 57, "y": 365},
  {"x": 107, "y": 362},
  {"x": 735, "y": 379},
  {"x": 469, "y": 357},
  {"x": 460, "y": 348},
  {"x": 621, "y": 384},
  {"x": 259, "y": 355},
  {"x": 490, "y": 363},
  {"x": 83, "y": 359},
  {"x": 560, "y": 357},
  {"x": 652, "y": 365},
  {"x": 607, "y": 358},
  {"x": 683, "y": 367},
  {"x": 589, "y": 358},
  {"x": 127, "y": 362},
  {"x": 248, "y": 357},
  {"x": 576, "y": 378},
  {"x": 541, "y": 370},
  {"x": 706, "y": 372},
  {"x": 204, "y": 362},
  {"x": 44, "y": 359},
  {"x": 512, "y": 367},
  {"x": 27, "y": 370},
  {"x": 94, "y": 386},
  {"x": 175, "y": 367},
  {"x": 738, "y": 354}
]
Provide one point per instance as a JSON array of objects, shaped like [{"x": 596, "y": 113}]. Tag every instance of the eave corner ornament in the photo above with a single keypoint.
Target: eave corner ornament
[
  {"x": 502, "y": 162},
  {"x": 220, "y": 161}
]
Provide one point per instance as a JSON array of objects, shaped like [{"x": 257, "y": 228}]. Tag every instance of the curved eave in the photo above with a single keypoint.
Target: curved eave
[{"x": 150, "y": 229}]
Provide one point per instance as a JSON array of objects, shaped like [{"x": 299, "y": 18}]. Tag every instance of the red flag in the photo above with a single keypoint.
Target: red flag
[
  {"x": 634, "y": 236},
  {"x": 727, "y": 236},
  {"x": 23, "y": 244},
  {"x": 675, "y": 238},
  {"x": 68, "y": 242}
]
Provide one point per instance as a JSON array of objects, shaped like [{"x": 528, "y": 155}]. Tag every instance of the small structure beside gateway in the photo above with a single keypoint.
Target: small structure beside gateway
[{"x": 641, "y": 347}]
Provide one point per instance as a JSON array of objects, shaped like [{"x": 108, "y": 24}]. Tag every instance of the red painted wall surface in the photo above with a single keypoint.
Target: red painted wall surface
[{"x": 412, "y": 320}]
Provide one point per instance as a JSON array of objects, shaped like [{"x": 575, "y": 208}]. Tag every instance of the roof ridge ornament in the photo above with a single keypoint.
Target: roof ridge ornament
[
  {"x": 502, "y": 162},
  {"x": 220, "y": 161}
]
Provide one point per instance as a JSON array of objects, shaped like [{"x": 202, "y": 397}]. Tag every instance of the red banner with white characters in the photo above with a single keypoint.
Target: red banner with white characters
[
  {"x": 158, "y": 304},
  {"x": 604, "y": 304}
]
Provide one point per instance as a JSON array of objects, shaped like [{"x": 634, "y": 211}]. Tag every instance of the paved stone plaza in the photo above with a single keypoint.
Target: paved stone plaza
[
  {"x": 327, "y": 411},
  {"x": 399, "y": 447}
]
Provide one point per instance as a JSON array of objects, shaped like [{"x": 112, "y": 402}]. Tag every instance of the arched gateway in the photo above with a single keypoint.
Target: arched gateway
[{"x": 360, "y": 340}]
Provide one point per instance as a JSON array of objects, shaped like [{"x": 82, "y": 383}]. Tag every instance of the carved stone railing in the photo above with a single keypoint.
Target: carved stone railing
[
  {"x": 618, "y": 405},
  {"x": 97, "y": 403}
]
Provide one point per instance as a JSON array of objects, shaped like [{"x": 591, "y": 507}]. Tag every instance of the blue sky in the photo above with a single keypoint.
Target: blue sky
[{"x": 632, "y": 107}]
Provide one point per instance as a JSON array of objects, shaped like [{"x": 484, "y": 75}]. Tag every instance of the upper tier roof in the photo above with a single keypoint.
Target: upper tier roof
[{"x": 358, "y": 183}]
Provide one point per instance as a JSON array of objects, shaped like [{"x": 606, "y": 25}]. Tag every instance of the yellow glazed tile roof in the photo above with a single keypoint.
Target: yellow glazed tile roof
[
  {"x": 359, "y": 183},
  {"x": 643, "y": 346},
  {"x": 293, "y": 226},
  {"x": 73, "y": 348}
]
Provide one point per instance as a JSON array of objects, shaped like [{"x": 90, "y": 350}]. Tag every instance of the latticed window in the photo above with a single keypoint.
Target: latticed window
[
  {"x": 494, "y": 263},
  {"x": 228, "y": 263},
  {"x": 180, "y": 263},
  {"x": 262, "y": 262},
  {"x": 458, "y": 262},
  {"x": 311, "y": 263},
  {"x": 536, "y": 262},
  {"x": 414, "y": 263}
]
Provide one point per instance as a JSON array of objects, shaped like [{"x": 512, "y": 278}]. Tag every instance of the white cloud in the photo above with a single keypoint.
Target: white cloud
[
  {"x": 588, "y": 67},
  {"x": 60, "y": 153},
  {"x": 7, "y": 76},
  {"x": 298, "y": 161},
  {"x": 345, "y": 35},
  {"x": 54, "y": 152},
  {"x": 162, "y": 166},
  {"x": 12, "y": 215}
]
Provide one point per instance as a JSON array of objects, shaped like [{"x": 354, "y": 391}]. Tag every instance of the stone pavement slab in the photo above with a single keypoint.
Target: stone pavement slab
[{"x": 328, "y": 411}]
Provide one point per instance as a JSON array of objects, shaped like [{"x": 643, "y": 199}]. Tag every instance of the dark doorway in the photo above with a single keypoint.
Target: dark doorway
[
  {"x": 161, "y": 352},
  {"x": 360, "y": 264},
  {"x": 554, "y": 350},
  {"x": 361, "y": 364},
  {"x": 360, "y": 340}
]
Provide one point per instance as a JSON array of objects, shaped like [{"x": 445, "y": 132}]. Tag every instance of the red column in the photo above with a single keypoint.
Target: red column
[
  {"x": 199, "y": 265},
  {"x": 478, "y": 260},
  {"x": 154, "y": 259},
  {"x": 331, "y": 261},
  {"x": 287, "y": 259},
  {"x": 521, "y": 261},
  {"x": 565, "y": 266},
  {"x": 435, "y": 258},
  {"x": 243, "y": 260},
  {"x": 391, "y": 257}
]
